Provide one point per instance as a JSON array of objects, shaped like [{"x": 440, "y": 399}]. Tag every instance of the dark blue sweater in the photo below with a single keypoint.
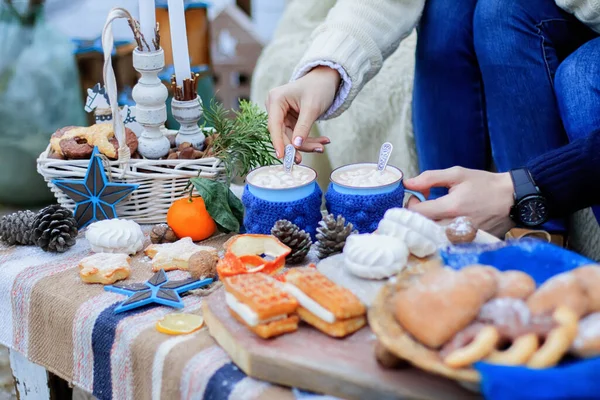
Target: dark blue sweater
[{"x": 569, "y": 177}]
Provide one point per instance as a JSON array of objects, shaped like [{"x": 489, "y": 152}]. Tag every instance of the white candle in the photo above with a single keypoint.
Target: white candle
[
  {"x": 147, "y": 21},
  {"x": 179, "y": 44}
]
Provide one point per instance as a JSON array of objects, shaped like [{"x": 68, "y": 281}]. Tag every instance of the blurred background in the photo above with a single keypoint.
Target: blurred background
[{"x": 51, "y": 53}]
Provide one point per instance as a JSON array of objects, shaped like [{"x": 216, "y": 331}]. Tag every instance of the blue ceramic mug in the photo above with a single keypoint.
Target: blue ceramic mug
[
  {"x": 296, "y": 201},
  {"x": 365, "y": 206}
]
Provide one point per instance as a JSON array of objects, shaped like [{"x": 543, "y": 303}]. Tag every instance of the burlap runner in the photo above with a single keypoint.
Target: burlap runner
[{"x": 54, "y": 329}]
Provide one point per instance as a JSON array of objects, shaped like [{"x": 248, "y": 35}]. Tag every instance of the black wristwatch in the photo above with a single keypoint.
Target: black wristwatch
[{"x": 530, "y": 209}]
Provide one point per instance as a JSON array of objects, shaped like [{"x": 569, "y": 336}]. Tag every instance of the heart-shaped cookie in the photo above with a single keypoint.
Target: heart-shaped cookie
[{"x": 441, "y": 303}]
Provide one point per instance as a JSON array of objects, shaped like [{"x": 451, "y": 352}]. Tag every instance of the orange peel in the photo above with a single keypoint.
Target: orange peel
[{"x": 250, "y": 253}]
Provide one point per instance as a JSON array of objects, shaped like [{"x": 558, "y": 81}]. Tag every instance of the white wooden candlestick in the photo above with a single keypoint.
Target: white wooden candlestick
[
  {"x": 150, "y": 96},
  {"x": 188, "y": 113}
]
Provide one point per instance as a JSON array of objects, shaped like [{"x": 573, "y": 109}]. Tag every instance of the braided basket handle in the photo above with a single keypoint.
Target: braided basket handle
[{"x": 110, "y": 81}]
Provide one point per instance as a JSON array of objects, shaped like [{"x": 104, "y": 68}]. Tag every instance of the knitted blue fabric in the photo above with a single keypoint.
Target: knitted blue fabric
[
  {"x": 571, "y": 379},
  {"x": 261, "y": 215},
  {"x": 364, "y": 212}
]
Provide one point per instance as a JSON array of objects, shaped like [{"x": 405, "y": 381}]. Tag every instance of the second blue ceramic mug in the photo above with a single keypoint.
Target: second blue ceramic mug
[{"x": 364, "y": 205}]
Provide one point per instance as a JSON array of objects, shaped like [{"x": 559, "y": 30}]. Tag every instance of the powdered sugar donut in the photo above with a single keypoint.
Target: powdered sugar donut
[{"x": 373, "y": 256}]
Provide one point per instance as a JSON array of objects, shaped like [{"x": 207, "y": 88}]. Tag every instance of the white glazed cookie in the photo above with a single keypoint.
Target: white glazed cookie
[
  {"x": 104, "y": 268},
  {"x": 115, "y": 236},
  {"x": 373, "y": 256},
  {"x": 421, "y": 235},
  {"x": 170, "y": 256}
]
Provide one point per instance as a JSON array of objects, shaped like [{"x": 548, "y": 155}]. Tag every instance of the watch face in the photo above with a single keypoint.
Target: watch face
[{"x": 533, "y": 211}]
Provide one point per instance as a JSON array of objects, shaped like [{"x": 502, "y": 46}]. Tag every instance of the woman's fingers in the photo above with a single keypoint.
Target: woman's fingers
[
  {"x": 311, "y": 144},
  {"x": 276, "y": 126},
  {"x": 308, "y": 115}
]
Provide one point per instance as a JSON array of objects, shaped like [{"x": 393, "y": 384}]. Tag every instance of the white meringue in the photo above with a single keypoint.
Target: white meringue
[
  {"x": 374, "y": 256},
  {"x": 115, "y": 236},
  {"x": 421, "y": 235}
]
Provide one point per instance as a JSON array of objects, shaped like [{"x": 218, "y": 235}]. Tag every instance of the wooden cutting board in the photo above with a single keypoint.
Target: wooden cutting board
[{"x": 310, "y": 360}]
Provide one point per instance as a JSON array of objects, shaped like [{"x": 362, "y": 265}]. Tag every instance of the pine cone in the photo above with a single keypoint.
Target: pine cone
[
  {"x": 54, "y": 229},
  {"x": 16, "y": 228},
  {"x": 331, "y": 235},
  {"x": 162, "y": 233},
  {"x": 296, "y": 239}
]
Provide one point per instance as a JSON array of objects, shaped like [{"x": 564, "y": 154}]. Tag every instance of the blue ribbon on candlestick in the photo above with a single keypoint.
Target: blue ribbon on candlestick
[
  {"x": 95, "y": 45},
  {"x": 186, "y": 6}
]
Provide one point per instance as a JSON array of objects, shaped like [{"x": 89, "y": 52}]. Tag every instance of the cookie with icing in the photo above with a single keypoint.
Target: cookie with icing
[
  {"x": 104, "y": 268},
  {"x": 115, "y": 236},
  {"x": 421, "y": 235},
  {"x": 374, "y": 256},
  {"x": 171, "y": 256}
]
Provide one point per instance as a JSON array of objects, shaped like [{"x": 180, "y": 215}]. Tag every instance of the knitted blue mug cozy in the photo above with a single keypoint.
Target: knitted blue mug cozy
[
  {"x": 261, "y": 214},
  {"x": 364, "y": 211}
]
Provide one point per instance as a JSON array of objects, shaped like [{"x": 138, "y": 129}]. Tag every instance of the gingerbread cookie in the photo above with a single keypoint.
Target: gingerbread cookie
[
  {"x": 561, "y": 290},
  {"x": 130, "y": 139},
  {"x": 588, "y": 277},
  {"x": 439, "y": 304},
  {"x": 587, "y": 341},
  {"x": 104, "y": 268},
  {"x": 171, "y": 256},
  {"x": 515, "y": 284},
  {"x": 461, "y": 230},
  {"x": 79, "y": 142}
]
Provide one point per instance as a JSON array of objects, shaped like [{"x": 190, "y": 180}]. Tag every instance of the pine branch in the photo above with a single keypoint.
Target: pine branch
[{"x": 242, "y": 143}]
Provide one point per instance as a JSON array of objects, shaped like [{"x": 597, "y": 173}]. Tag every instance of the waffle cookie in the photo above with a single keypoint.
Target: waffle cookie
[
  {"x": 258, "y": 302},
  {"x": 328, "y": 307}
]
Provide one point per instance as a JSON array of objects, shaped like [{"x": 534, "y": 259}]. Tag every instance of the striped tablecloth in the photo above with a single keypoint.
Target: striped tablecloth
[{"x": 50, "y": 316}]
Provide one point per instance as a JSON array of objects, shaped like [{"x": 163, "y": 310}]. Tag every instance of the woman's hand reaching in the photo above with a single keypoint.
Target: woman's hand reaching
[{"x": 295, "y": 106}]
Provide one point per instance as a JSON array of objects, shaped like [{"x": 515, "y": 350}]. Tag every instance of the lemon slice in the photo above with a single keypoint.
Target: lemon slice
[{"x": 180, "y": 323}]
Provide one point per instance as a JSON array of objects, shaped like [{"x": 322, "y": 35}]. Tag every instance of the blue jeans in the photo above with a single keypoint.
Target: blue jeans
[{"x": 502, "y": 81}]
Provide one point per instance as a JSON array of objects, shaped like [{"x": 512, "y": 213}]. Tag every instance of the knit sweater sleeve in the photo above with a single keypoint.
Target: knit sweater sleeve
[
  {"x": 355, "y": 39},
  {"x": 569, "y": 177},
  {"x": 587, "y": 11}
]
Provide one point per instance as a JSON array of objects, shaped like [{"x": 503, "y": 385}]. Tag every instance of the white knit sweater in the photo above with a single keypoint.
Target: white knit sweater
[{"x": 358, "y": 35}]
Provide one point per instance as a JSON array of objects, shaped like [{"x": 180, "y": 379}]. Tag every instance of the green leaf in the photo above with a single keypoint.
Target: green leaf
[
  {"x": 236, "y": 206},
  {"x": 216, "y": 197}
]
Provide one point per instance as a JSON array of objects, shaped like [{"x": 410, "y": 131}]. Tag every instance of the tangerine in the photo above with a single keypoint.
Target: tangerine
[{"x": 188, "y": 217}]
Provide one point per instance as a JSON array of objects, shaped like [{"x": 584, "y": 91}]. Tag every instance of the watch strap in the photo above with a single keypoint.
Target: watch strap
[{"x": 523, "y": 183}]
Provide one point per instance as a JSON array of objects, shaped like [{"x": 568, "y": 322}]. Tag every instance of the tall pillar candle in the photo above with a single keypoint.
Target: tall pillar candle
[
  {"x": 179, "y": 43},
  {"x": 147, "y": 21}
]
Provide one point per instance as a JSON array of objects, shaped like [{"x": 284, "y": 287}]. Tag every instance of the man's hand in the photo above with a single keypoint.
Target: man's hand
[{"x": 483, "y": 196}]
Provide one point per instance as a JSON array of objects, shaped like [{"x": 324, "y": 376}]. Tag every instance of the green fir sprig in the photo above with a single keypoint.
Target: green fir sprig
[{"x": 242, "y": 139}]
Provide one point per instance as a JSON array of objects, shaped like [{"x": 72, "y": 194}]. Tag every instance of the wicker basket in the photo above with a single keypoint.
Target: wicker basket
[{"x": 160, "y": 181}]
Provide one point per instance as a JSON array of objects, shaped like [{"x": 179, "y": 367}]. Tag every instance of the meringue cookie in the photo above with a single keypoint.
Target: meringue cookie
[
  {"x": 115, "y": 236},
  {"x": 374, "y": 256},
  {"x": 421, "y": 235}
]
